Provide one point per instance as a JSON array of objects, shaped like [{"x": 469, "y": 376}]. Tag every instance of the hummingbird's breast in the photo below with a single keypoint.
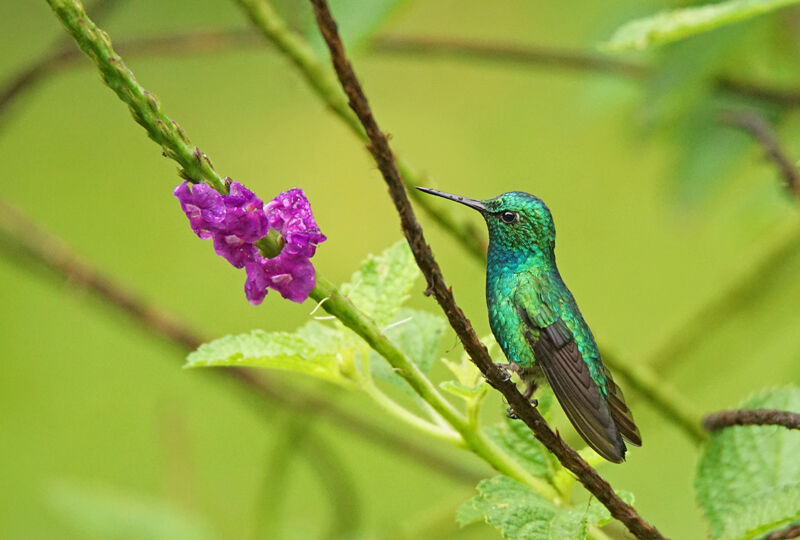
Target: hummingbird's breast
[{"x": 504, "y": 318}]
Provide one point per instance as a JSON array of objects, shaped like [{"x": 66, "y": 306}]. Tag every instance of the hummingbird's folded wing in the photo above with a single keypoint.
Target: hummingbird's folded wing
[{"x": 568, "y": 374}]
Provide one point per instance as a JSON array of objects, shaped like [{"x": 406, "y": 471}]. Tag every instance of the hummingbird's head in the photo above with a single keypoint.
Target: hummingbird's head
[{"x": 516, "y": 220}]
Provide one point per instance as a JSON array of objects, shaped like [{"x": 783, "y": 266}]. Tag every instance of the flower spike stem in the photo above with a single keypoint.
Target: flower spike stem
[
  {"x": 121, "y": 80},
  {"x": 144, "y": 107},
  {"x": 384, "y": 158}
]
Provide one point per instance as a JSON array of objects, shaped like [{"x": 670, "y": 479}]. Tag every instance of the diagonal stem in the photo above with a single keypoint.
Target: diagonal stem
[{"x": 379, "y": 147}]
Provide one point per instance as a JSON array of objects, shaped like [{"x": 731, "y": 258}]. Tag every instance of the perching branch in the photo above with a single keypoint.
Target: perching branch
[
  {"x": 24, "y": 243},
  {"x": 379, "y": 147},
  {"x": 792, "y": 531},
  {"x": 760, "y": 129},
  {"x": 751, "y": 417}
]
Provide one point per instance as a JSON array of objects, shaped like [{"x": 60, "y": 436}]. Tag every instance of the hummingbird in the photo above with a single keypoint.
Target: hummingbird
[{"x": 538, "y": 325}]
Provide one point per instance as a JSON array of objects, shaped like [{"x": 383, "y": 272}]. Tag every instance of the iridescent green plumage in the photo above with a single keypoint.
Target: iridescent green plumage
[{"x": 539, "y": 326}]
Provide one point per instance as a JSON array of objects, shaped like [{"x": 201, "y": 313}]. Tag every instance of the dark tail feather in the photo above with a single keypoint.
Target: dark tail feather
[{"x": 622, "y": 415}]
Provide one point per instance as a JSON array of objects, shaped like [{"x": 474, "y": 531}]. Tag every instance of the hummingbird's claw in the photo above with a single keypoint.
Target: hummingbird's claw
[
  {"x": 534, "y": 403},
  {"x": 511, "y": 414},
  {"x": 507, "y": 370}
]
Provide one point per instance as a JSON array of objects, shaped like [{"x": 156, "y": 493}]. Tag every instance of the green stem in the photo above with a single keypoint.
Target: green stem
[
  {"x": 144, "y": 106},
  {"x": 392, "y": 407},
  {"x": 341, "y": 307},
  {"x": 322, "y": 82}
]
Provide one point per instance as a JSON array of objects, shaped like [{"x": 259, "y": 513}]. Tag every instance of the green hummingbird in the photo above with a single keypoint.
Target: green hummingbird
[{"x": 538, "y": 325}]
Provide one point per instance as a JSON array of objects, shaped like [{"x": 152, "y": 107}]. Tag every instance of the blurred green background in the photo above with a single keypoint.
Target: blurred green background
[{"x": 659, "y": 210}]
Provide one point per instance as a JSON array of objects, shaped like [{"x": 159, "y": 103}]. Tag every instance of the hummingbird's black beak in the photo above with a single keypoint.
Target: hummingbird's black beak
[{"x": 472, "y": 203}]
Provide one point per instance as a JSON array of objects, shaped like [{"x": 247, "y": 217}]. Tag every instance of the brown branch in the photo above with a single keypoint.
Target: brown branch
[
  {"x": 751, "y": 417},
  {"x": 24, "y": 243},
  {"x": 64, "y": 55},
  {"x": 792, "y": 531},
  {"x": 528, "y": 55},
  {"x": 566, "y": 59},
  {"x": 761, "y": 130},
  {"x": 379, "y": 147}
]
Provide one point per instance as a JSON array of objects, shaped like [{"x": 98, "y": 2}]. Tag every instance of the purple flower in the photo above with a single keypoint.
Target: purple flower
[
  {"x": 203, "y": 206},
  {"x": 238, "y": 220},
  {"x": 290, "y": 275},
  {"x": 244, "y": 214},
  {"x": 290, "y": 214}
]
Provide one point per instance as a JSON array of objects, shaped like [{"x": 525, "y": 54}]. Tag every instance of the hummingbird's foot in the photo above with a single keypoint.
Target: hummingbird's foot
[
  {"x": 511, "y": 414},
  {"x": 529, "y": 390},
  {"x": 507, "y": 370}
]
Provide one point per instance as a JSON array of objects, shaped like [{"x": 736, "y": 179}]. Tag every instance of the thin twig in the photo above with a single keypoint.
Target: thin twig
[
  {"x": 512, "y": 53},
  {"x": 751, "y": 417},
  {"x": 566, "y": 59},
  {"x": 792, "y": 531},
  {"x": 710, "y": 317},
  {"x": 379, "y": 147},
  {"x": 760, "y": 129},
  {"x": 24, "y": 243}
]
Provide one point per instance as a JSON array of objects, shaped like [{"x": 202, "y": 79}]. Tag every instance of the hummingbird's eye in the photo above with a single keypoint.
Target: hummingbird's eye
[{"x": 509, "y": 217}]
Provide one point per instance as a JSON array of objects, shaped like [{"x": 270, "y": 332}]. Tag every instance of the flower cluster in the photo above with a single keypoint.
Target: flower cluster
[{"x": 236, "y": 221}]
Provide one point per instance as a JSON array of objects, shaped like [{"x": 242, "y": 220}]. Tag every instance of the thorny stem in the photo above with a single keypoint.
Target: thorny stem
[
  {"x": 71, "y": 14},
  {"x": 318, "y": 77},
  {"x": 384, "y": 158}
]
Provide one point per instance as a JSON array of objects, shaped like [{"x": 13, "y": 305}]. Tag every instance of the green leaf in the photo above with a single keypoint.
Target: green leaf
[
  {"x": 673, "y": 25},
  {"x": 458, "y": 389},
  {"x": 467, "y": 373},
  {"x": 748, "y": 480},
  {"x": 515, "y": 438},
  {"x": 102, "y": 512},
  {"x": 418, "y": 334},
  {"x": 383, "y": 283},
  {"x": 314, "y": 349},
  {"x": 522, "y": 514}
]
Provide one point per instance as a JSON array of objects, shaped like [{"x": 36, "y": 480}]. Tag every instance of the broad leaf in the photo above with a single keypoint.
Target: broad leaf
[
  {"x": 672, "y": 25},
  {"x": 416, "y": 333},
  {"x": 314, "y": 349},
  {"x": 521, "y": 514},
  {"x": 748, "y": 480},
  {"x": 109, "y": 513},
  {"x": 383, "y": 283},
  {"x": 516, "y": 439}
]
